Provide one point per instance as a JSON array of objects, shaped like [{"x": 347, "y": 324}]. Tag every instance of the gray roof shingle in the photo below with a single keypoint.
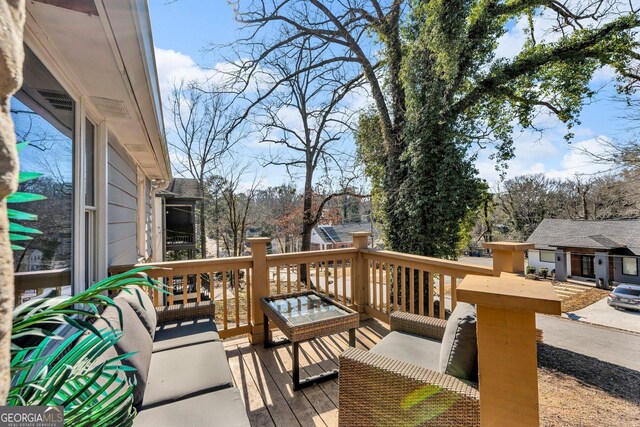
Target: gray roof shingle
[
  {"x": 182, "y": 188},
  {"x": 609, "y": 234}
]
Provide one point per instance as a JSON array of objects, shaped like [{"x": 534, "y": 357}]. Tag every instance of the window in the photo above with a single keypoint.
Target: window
[
  {"x": 43, "y": 114},
  {"x": 547, "y": 256},
  {"x": 89, "y": 204},
  {"x": 630, "y": 266}
]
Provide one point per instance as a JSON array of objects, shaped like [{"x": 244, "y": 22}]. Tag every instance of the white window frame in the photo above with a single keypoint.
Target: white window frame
[
  {"x": 635, "y": 264},
  {"x": 43, "y": 49},
  {"x": 553, "y": 256}
]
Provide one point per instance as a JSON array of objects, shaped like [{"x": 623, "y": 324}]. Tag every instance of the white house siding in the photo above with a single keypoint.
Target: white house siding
[
  {"x": 534, "y": 261},
  {"x": 122, "y": 207},
  {"x": 147, "y": 215}
]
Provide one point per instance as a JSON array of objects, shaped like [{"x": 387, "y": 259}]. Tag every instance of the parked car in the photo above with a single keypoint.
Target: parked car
[{"x": 625, "y": 296}]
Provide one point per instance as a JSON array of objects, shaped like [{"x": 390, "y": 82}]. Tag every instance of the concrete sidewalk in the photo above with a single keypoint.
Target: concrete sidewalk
[{"x": 616, "y": 347}]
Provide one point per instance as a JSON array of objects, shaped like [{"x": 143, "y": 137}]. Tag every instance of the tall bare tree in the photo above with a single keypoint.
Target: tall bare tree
[
  {"x": 307, "y": 123},
  {"x": 236, "y": 208},
  {"x": 201, "y": 121}
]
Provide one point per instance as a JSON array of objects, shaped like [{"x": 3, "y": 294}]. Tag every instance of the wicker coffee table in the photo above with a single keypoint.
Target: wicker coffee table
[{"x": 302, "y": 316}]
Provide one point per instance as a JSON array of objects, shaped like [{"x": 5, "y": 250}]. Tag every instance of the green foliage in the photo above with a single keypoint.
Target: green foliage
[
  {"x": 20, "y": 197},
  {"x": 531, "y": 269},
  {"x": 56, "y": 370},
  {"x": 544, "y": 271},
  {"x": 457, "y": 96},
  {"x": 371, "y": 153}
]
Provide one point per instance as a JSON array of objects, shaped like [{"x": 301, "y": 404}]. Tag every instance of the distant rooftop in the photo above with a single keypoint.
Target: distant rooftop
[
  {"x": 609, "y": 234},
  {"x": 182, "y": 188},
  {"x": 340, "y": 232}
]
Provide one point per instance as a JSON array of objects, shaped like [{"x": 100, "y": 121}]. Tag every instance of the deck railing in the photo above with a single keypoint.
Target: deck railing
[
  {"x": 29, "y": 284},
  {"x": 373, "y": 282},
  {"x": 376, "y": 283}
]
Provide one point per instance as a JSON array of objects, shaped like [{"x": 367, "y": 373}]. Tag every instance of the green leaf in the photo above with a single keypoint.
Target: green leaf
[
  {"x": 21, "y": 146},
  {"x": 20, "y": 197},
  {"x": 15, "y": 237},
  {"x": 17, "y": 228},
  {"x": 28, "y": 176},
  {"x": 16, "y": 248},
  {"x": 21, "y": 216}
]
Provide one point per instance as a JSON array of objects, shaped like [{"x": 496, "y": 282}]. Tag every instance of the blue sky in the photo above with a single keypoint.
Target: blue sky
[{"x": 184, "y": 29}]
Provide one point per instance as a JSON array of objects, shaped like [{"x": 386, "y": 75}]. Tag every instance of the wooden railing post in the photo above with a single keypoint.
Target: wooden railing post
[
  {"x": 508, "y": 257},
  {"x": 259, "y": 286},
  {"x": 507, "y": 353},
  {"x": 359, "y": 272}
]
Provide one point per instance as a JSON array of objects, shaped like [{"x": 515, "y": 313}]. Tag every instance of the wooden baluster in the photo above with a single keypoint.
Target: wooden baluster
[
  {"x": 236, "y": 291},
  {"x": 344, "y": 282},
  {"x": 318, "y": 287},
  {"x": 225, "y": 316},
  {"x": 308, "y": 274},
  {"x": 288, "y": 278},
  {"x": 454, "y": 301},
  {"x": 381, "y": 269},
  {"x": 298, "y": 277},
  {"x": 212, "y": 287},
  {"x": 185, "y": 288},
  {"x": 277, "y": 280},
  {"x": 373, "y": 284},
  {"x": 326, "y": 277},
  {"x": 421, "y": 292},
  {"x": 396, "y": 283},
  {"x": 171, "y": 281},
  {"x": 412, "y": 292},
  {"x": 247, "y": 275},
  {"x": 430, "y": 296},
  {"x": 198, "y": 286},
  {"x": 443, "y": 302},
  {"x": 336, "y": 296},
  {"x": 388, "y": 291},
  {"x": 403, "y": 284}
]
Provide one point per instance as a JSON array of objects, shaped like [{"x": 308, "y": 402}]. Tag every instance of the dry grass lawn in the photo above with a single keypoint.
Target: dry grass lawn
[
  {"x": 577, "y": 390},
  {"x": 583, "y": 299}
]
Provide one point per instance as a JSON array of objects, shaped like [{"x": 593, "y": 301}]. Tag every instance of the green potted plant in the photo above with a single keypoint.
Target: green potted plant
[{"x": 56, "y": 369}]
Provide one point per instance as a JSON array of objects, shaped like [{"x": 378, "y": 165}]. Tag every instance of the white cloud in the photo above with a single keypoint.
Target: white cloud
[
  {"x": 174, "y": 66},
  {"x": 550, "y": 155},
  {"x": 577, "y": 161}
]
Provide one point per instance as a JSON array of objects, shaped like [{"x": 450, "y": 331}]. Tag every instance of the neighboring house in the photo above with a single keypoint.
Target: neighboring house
[
  {"x": 601, "y": 250},
  {"x": 176, "y": 222},
  {"x": 90, "y": 108},
  {"x": 337, "y": 236},
  {"x": 34, "y": 260}
]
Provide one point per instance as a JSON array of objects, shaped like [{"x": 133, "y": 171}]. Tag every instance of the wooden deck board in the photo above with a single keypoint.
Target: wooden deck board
[{"x": 264, "y": 377}]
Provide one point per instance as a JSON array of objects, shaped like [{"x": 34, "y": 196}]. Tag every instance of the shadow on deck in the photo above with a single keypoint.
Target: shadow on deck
[{"x": 264, "y": 377}]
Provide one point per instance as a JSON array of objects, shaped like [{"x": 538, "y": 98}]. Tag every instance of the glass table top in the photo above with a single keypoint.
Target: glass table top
[{"x": 306, "y": 308}]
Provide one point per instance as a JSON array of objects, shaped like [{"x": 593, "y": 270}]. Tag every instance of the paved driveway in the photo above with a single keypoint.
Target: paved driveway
[
  {"x": 608, "y": 345},
  {"x": 601, "y": 314}
]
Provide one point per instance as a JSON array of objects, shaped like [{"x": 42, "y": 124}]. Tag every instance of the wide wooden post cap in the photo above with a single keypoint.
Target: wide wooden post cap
[
  {"x": 509, "y": 292},
  {"x": 508, "y": 246},
  {"x": 359, "y": 233},
  {"x": 259, "y": 239}
]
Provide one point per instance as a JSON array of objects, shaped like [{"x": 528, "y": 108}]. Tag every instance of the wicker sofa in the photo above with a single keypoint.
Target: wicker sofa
[
  {"x": 181, "y": 375},
  {"x": 400, "y": 381}
]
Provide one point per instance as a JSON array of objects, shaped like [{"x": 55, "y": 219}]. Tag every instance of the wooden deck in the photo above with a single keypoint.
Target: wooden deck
[{"x": 264, "y": 377}]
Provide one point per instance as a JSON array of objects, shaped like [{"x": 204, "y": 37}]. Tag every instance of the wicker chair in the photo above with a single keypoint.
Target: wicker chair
[{"x": 379, "y": 390}]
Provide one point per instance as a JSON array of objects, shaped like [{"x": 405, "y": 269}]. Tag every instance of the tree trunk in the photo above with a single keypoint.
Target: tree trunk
[
  {"x": 203, "y": 234},
  {"x": 12, "y": 16}
]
